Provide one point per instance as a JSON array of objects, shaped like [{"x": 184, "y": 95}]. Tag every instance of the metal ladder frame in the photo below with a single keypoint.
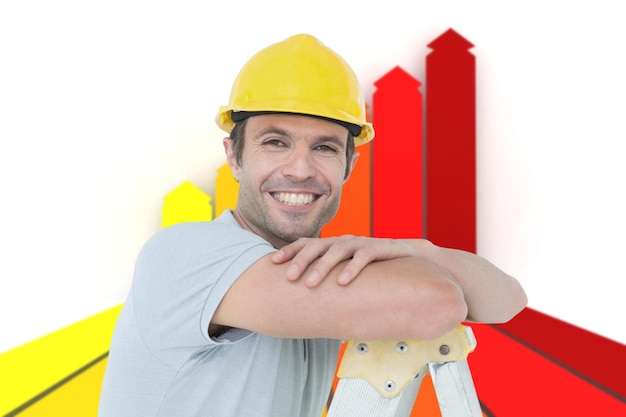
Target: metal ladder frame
[{"x": 382, "y": 378}]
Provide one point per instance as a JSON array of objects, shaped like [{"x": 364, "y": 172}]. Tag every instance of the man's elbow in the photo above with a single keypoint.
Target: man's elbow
[
  {"x": 455, "y": 314},
  {"x": 447, "y": 311},
  {"x": 517, "y": 303},
  {"x": 500, "y": 309}
]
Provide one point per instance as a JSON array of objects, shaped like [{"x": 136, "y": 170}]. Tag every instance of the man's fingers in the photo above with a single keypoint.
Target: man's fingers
[
  {"x": 330, "y": 259},
  {"x": 334, "y": 255},
  {"x": 293, "y": 272},
  {"x": 289, "y": 251},
  {"x": 354, "y": 268},
  {"x": 315, "y": 258}
]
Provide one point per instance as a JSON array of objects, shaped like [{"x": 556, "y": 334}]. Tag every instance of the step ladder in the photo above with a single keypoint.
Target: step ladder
[{"x": 382, "y": 378}]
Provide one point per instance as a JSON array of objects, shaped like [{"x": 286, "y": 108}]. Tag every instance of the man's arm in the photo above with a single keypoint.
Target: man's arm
[
  {"x": 492, "y": 296},
  {"x": 401, "y": 298}
]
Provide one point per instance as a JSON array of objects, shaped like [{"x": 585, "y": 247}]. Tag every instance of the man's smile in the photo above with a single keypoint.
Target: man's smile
[{"x": 294, "y": 199}]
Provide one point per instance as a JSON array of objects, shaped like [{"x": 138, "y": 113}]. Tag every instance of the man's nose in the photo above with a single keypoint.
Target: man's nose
[{"x": 300, "y": 164}]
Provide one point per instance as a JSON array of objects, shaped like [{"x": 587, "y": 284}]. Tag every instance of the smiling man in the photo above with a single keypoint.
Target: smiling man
[
  {"x": 244, "y": 315},
  {"x": 294, "y": 171}
]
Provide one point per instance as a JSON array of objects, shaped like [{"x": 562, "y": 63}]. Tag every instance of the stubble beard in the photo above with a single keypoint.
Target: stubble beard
[{"x": 278, "y": 229}]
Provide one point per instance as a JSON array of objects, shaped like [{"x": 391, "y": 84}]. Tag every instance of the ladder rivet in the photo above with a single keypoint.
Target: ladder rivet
[
  {"x": 402, "y": 347},
  {"x": 444, "y": 349},
  {"x": 390, "y": 386},
  {"x": 362, "y": 348}
]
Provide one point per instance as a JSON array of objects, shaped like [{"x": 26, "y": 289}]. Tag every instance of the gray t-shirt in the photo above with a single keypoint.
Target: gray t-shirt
[{"x": 162, "y": 361}]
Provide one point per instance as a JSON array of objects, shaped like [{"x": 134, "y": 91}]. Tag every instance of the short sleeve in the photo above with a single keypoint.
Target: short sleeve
[{"x": 181, "y": 276}]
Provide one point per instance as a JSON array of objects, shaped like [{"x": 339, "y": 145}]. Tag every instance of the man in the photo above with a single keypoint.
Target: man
[{"x": 243, "y": 316}]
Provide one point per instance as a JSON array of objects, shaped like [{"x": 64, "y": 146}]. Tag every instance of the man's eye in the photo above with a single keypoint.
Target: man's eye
[
  {"x": 274, "y": 142},
  {"x": 326, "y": 148}
]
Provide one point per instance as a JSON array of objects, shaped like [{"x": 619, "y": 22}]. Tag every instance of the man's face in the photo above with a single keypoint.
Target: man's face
[{"x": 291, "y": 174}]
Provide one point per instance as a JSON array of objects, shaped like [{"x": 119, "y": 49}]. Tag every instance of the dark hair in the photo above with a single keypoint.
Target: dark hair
[{"x": 238, "y": 133}]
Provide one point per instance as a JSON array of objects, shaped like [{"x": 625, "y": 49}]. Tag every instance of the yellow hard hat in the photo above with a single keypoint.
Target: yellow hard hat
[{"x": 298, "y": 75}]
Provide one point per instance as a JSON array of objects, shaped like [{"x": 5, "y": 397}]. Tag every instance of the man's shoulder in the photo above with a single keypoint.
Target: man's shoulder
[
  {"x": 193, "y": 231},
  {"x": 222, "y": 233},
  {"x": 183, "y": 234}
]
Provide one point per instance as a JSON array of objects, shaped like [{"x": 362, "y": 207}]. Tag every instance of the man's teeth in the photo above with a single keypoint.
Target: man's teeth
[{"x": 293, "y": 199}]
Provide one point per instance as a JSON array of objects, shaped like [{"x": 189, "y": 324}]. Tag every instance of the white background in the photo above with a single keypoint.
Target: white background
[{"x": 107, "y": 106}]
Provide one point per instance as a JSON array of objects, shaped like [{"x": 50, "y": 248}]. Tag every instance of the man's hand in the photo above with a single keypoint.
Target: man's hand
[{"x": 313, "y": 258}]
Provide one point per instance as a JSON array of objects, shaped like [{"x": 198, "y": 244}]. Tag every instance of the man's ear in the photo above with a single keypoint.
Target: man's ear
[
  {"x": 355, "y": 157},
  {"x": 230, "y": 158}
]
